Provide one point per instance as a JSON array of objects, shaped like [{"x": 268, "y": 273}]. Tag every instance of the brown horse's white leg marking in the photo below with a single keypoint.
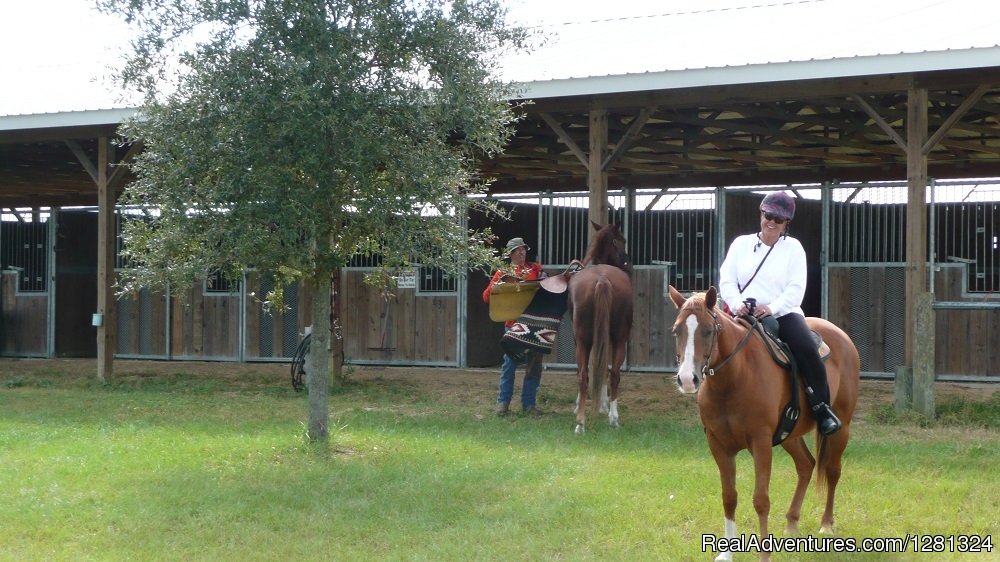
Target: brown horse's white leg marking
[{"x": 729, "y": 530}]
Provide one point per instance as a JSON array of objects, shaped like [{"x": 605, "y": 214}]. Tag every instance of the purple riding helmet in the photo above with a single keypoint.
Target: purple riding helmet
[{"x": 780, "y": 204}]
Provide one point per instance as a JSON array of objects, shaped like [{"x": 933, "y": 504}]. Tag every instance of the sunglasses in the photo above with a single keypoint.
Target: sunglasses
[{"x": 775, "y": 218}]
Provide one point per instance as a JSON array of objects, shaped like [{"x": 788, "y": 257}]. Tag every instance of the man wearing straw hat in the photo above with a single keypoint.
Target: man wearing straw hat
[{"x": 520, "y": 270}]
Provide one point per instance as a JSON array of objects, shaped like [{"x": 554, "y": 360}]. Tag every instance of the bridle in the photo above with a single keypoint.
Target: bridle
[{"x": 707, "y": 371}]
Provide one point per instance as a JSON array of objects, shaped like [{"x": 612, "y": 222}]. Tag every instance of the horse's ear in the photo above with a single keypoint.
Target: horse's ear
[
  {"x": 596, "y": 226},
  {"x": 676, "y": 297},
  {"x": 711, "y": 297}
]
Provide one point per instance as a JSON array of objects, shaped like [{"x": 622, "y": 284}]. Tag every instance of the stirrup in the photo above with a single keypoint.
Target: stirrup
[{"x": 827, "y": 423}]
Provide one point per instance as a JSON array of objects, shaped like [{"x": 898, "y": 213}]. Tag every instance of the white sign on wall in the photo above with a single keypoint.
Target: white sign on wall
[{"x": 406, "y": 279}]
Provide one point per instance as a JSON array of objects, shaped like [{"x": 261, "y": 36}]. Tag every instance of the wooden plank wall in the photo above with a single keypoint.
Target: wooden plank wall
[
  {"x": 140, "y": 313},
  {"x": 405, "y": 328},
  {"x": 205, "y": 327},
  {"x": 967, "y": 341},
  {"x": 651, "y": 344},
  {"x": 25, "y": 329},
  {"x": 862, "y": 316}
]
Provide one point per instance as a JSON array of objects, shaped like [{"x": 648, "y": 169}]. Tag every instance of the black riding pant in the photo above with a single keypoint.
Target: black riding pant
[{"x": 793, "y": 331}]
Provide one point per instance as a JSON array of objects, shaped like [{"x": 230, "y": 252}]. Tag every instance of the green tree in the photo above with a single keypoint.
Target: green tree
[{"x": 290, "y": 135}]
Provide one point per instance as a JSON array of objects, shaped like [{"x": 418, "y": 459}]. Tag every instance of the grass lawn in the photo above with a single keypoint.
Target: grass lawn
[{"x": 176, "y": 461}]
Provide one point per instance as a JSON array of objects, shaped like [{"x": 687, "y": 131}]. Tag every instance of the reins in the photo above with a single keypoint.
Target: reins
[{"x": 707, "y": 371}]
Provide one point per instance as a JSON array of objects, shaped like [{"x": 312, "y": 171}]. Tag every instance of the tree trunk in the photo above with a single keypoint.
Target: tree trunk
[
  {"x": 318, "y": 378},
  {"x": 337, "y": 336}
]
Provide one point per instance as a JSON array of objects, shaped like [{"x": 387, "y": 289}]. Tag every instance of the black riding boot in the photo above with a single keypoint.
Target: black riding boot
[
  {"x": 796, "y": 334},
  {"x": 826, "y": 421}
]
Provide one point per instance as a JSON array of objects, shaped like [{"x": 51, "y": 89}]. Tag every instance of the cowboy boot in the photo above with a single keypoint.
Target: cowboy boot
[{"x": 827, "y": 422}]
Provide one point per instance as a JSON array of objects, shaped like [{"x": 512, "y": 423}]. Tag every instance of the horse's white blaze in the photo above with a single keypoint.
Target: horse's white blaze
[
  {"x": 730, "y": 530},
  {"x": 685, "y": 371}
]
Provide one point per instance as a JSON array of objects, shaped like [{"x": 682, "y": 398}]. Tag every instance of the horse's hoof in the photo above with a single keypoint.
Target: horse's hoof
[
  {"x": 579, "y": 429},
  {"x": 613, "y": 423},
  {"x": 826, "y": 530},
  {"x": 724, "y": 557}
]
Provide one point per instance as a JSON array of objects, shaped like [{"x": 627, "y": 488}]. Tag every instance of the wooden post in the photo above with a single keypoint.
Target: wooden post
[
  {"x": 916, "y": 211},
  {"x": 904, "y": 388},
  {"x": 597, "y": 176},
  {"x": 923, "y": 355},
  {"x": 105, "y": 266}
]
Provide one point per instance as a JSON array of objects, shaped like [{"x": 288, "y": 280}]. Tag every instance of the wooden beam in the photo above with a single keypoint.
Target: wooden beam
[
  {"x": 916, "y": 212},
  {"x": 810, "y": 153},
  {"x": 744, "y": 127},
  {"x": 105, "y": 266},
  {"x": 567, "y": 140},
  {"x": 954, "y": 117},
  {"x": 633, "y": 131},
  {"x": 82, "y": 157},
  {"x": 855, "y": 193},
  {"x": 597, "y": 177},
  {"x": 121, "y": 165},
  {"x": 880, "y": 121}
]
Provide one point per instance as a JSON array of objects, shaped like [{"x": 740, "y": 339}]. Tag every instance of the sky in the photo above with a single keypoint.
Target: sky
[{"x": 57, "y": 53}]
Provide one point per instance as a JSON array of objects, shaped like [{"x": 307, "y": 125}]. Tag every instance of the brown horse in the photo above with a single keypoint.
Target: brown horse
[
  {"x": 600, "y": 296},
  {"x": 740, "y": 402}
]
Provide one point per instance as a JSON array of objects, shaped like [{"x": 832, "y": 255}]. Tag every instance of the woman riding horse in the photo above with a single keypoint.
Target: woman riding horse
[{"x": 768, "y": 269}]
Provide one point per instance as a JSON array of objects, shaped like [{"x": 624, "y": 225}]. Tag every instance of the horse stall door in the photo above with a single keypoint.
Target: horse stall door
[
  {"x": 24, "y": 290},
  {"x": 651, "y": 345},
  {"x": 76, "y": 284}
]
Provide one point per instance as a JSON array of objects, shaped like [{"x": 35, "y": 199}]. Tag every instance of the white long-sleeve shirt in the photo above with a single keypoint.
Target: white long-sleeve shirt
[{"x": 780, "y": 283}]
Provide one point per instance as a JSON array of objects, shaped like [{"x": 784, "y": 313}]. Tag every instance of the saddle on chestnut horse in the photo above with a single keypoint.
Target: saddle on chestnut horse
[{"x": 767, "y": 330}]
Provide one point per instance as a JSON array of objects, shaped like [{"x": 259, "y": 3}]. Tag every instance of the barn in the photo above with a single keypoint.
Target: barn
[{"x": 894, "y": 160}]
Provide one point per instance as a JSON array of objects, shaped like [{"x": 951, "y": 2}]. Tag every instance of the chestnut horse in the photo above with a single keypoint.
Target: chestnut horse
[
  {"x": 740, "y": 402},
  {"x": 600, "y": 296}
]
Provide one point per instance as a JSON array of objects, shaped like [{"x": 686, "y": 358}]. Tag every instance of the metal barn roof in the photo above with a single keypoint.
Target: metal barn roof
[{"x": 775, "y": 123}]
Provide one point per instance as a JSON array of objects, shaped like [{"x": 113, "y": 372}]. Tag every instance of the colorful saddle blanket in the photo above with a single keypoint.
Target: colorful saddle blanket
[{"x": 536, "y": 328}]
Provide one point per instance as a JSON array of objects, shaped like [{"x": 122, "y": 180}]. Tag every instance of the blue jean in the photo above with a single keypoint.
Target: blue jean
[{"x": 532, "y": 378}]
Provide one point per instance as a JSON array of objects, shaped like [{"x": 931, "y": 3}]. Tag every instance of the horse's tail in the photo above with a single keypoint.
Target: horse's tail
[
  {"x": 822, "y": 459},
  {"x": 600, "y": 352}
]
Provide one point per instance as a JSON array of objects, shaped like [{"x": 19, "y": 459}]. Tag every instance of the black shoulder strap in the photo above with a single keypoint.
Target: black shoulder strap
[{"x": 759, "y": 265}]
